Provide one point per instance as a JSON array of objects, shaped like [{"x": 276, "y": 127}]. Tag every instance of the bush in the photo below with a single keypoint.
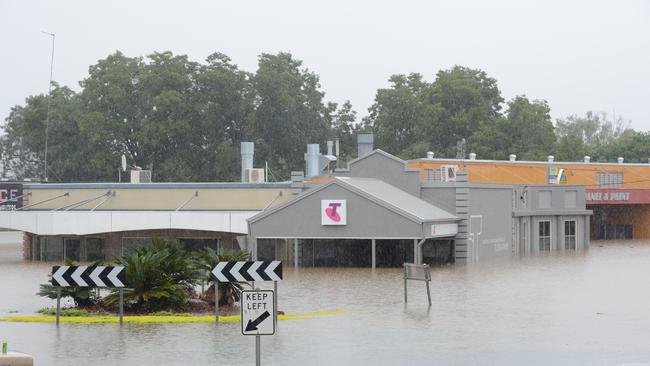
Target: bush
[
  {"x": 158, "y": 278},
  {"x": 229, "y": 292},
  {"x": 82, "y": 296}
]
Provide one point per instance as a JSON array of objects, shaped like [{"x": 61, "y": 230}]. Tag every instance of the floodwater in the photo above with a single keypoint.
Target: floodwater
[{"x": 588, "y": 308}]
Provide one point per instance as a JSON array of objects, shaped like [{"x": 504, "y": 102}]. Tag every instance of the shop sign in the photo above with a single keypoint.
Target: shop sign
[
  {"x": 333, "y": 212},
  {"x": 11, "y": 196},
  {"x": 617, "y": 196}
]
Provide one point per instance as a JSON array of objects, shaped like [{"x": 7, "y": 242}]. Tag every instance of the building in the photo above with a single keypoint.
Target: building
[
  {"x": 388, "y": 216},
  {"x": 377, "y": 212},
  {"x": 617, "y": 193}
]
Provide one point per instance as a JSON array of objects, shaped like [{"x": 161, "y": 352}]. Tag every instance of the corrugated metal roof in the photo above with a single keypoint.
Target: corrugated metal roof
[{"x": 399, "y": 199}]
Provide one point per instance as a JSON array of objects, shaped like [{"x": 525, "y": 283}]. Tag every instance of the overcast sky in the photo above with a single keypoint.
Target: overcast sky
[{"x": 577, "y": 55}]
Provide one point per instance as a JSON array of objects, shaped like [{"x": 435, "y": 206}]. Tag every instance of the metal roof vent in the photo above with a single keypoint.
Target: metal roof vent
[
  {"x": 472, "y": 156},
  {"x": 429, "y": 154},
  {"x": 620, "y": 160},
  {"x": 551, "y": 158},
  {"x": 512, "y": 157},
  {"x": 587, "y": 158}
]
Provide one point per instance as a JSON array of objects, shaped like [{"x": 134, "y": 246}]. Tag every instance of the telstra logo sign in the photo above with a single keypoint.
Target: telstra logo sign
[{"x": 333, "y": 212}]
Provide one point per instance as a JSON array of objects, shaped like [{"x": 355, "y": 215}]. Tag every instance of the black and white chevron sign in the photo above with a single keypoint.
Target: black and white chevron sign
[
  {"x": 248, "y": 271},
  {"x": 88, "y": 276}
]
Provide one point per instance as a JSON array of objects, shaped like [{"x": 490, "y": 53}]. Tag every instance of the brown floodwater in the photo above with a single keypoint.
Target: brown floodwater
[{"x": 585, "y": 308}]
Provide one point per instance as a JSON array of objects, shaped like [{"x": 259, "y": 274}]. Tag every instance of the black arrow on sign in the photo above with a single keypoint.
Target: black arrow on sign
[{"x": 252, "y": 325}]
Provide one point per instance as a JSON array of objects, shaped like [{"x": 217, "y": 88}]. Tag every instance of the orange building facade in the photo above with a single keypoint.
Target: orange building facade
[{"x": 618, "y": 193}]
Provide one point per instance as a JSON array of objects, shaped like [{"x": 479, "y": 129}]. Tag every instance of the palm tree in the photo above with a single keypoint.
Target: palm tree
[
  {"x": 229, "y": 292},
  {"x": 161, "y": 277}
]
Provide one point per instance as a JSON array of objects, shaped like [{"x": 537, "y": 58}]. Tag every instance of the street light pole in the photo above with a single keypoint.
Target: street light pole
[{"x": 49, "y": 100}]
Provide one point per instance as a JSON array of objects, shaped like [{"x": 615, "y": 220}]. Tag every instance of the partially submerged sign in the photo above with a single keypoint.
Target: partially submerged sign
[
  {"x": 257, "y": 312},
  {"x": 419, "y": 272}
]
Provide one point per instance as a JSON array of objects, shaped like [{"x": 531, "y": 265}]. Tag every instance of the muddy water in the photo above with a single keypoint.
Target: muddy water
[{"x": 590, "y": 308}]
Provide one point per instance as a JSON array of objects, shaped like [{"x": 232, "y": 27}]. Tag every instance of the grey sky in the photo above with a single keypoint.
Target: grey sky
[{"x": 578, "y": 55}]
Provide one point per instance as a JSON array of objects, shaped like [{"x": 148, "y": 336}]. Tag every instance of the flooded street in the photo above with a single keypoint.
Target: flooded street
[{"x": 589, "y": 308}]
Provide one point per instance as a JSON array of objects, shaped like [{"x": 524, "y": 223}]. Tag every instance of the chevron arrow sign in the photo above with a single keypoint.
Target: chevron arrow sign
[
  {"x": 88, "y": 276},
  {"x": 248, "y": 271}
]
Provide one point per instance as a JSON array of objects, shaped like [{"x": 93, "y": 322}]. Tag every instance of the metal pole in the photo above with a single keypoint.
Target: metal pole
[
  {"x": 295, "y": 253},
  {"x": 275, "y": 304},
  {"x": 49, "y": 99},
  {"x": 216, "y": 300},
  {"x": 428, "y": 292},
  {"x": 257, "y": 351},
  {"x": 121, "y": 306},
  {"x": 58, "y": 304},
  {"x": 119, "y": 175},
  {"x": 374, "y": 254},
  {"x": 405, "y": 297}
]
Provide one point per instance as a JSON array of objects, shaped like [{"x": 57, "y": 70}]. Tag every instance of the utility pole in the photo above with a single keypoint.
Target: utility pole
[{"x": 49, "y": 101}]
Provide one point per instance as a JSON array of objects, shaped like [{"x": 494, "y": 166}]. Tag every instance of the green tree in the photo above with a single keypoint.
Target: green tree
[
  {"x": 526, "y": 131},
  {"x": 396, "y": 113},
  {"x": 289, "y": 112}
]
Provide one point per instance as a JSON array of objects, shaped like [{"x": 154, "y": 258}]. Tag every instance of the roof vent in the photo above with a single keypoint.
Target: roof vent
[
  {"x": 620, "y": 160},
  {"x": 472, "y": 156},
  {"x": 551, "y": 158},
  {"x": 587, "y": 158},
  {"x": 429, "y": 154},
  {"x": 512, "y": 157}
]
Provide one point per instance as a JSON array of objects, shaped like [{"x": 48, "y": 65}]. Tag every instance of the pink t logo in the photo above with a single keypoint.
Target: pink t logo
[{"x": 331, "y": 212}]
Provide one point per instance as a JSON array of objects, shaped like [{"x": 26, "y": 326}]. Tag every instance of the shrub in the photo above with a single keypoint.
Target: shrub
[
  {"x": 157, "y": 278},
  {"x": 82, "y": 296},
  {"x": 229, "y": 292}
]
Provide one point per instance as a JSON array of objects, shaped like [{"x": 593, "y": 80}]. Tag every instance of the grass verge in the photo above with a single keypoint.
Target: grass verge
[{"x": 155, "y": 319}]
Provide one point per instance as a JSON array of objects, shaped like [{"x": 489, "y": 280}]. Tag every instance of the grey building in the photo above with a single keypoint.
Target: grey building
[{"x": 379, "y": 213}]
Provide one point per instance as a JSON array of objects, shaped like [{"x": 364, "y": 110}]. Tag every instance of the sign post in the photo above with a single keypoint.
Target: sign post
[
  {"x": 257, "y": 306},
  {"x": 256, "y": 309},
  {"x": 244, "y": 271},
  {"x": 417, "y": 272},
  {"x": 88, "y": 276}
]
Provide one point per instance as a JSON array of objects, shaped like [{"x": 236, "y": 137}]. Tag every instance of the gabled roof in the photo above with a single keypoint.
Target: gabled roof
[
  {"x": 380, "y": 192},
  {"x": 379, "y": 152}
]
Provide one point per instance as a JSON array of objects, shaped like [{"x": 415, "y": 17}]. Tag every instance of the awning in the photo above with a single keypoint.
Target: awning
[{"x": 95, "y": 222}]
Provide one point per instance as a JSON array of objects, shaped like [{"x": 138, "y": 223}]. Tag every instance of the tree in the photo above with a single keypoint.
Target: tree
[
  {"x": 289, "y": 112},
  {"x": 413, "y": 116},
  {"x": 396, "y": 113},
  {"x": 526, "y": 131},
  {"x": 594, "y": 128},
  {"x": 463, "y": 99}
]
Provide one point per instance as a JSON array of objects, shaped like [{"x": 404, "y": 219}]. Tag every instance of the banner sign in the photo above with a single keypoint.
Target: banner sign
[
  {"x": 611, "y": 196},
  {"x": 8, "y": 196}
]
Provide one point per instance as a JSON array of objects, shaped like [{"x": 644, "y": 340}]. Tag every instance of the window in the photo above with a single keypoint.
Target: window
[
  {"x": 544, "y": 199},
  {"x": 95, "y": 249},
  {"x": 128, "y": 244},
  {"x": 569, "y": 234},
  {"x": 544, "y": 236},
  {"x": 196, "y": 244},
  {"x": 609, "y": 180},
  {"x": 72, "y": 249}
]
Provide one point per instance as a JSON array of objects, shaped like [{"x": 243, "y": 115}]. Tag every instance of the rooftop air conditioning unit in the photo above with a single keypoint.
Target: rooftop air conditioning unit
[
  {"x": 448, "y": 173},
  {"x": 255, "y": 175}
]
